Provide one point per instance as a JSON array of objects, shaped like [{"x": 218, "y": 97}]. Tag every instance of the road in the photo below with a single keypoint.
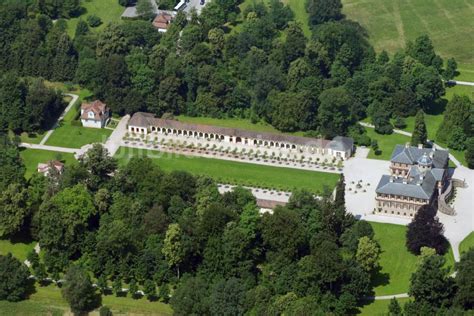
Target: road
[
  {"x": 397, "y": 131},
  {"x": 61, "y": 117},
  {"x": 461, "y": 83}
]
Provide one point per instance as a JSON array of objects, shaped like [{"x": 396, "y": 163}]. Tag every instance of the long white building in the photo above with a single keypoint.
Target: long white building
[{"x": 146, "y": 123}]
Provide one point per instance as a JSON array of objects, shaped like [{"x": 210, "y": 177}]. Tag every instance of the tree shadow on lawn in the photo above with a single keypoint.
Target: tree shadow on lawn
[{"x": 379, "y": 279}]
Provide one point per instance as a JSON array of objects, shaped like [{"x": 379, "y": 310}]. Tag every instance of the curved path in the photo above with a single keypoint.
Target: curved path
[
  {"x": 461, "y": 83},
  {"x": 69, "y": 106}
]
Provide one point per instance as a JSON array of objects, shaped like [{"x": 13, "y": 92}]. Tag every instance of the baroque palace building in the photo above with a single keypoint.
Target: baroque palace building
[
  {"x": 418, "y": 177},
  {"x": 147, "y": 124}
]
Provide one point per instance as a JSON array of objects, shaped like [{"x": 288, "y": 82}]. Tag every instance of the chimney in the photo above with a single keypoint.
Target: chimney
[
  {"x": 407, "y": 145},
  {"x": 420, "y": 146},
  {"x": 404, "y": 181},
  {"x": 391, "y": 179}
]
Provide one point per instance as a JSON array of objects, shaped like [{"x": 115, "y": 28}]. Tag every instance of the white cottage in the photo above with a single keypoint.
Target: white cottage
[{"x": 95, "y": 114}]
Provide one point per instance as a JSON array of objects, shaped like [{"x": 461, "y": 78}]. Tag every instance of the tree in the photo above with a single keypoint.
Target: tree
[
  {"x": 431, "y": 284},
  {"x": 111, "y": 41},
  {"x": 173, "y": 248},
  {"x": 14, "y": 275},
  {"x": 321, "y": 11},
  {"x": 456, "y": 116},
  {"x": 420, "y": 134},
  {"x": 14, "y": 209},
  {"x": 149, "y": 288},
  {"x": 394, "y": 308},
  {"x": 292, "y": 111},
  {"x": 164, "y": 293},
  {"x": 191, "y": 297},
  {"x": 368, "y": 253},
  {"x": 145, "y": 9},
  {"x": 451, "y": 69},
  {"x": 100, "y": 165},
  {"x": 334, "y": 112},
  {"x": 425, "y": 230},
  {"x": 423, "y": 51},
  {"x": 133, "y": 288},
  {"x": 93, "y": 20},
  {"x": 78, "y": 290},
  {"x": 81, "y": 29},
  {"x": 117, "y": 286},
  {"x": 227, "y": 297},
  {"x": 12, "y": 169},
  {"x": 469, "y": 153},
  {"x": 464, "y": 297}
]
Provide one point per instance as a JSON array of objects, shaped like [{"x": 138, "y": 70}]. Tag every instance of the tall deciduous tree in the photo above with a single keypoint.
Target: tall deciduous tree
[
  {"x": 173, "y": 249},
  {"x": 451, "y": 69},
  {"x": 321, "y": 11},
  {"x": 334, "y": 112},
  {"x": 431, "y": 283},
  {"x": 465, "y": 281},
  {"x": 420, "y": 134},
  {"x": 425, "y": 230},
  {"x": 13, "y": 209},
  {"x": 13, "y": 279},
  {"x": 368, "y": 253},
  {"x": 78, "y": 290}
]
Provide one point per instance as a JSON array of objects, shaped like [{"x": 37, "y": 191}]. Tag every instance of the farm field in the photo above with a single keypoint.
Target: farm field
[
  {"x": 107, "y": 10},
  {"x": 396, "y": 261},
  {"x": 236, "y": 172},
  {"x": 31, "y": 158},
  {"x": 391, "y": 23}
]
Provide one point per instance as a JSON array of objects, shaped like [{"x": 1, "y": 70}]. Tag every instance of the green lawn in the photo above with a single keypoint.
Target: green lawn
[
  {"x": 31, "y": 158},
  {"x": 48, "y": 301},
  {"x": 391, "y": 23},
  {"x": 396, "y": 261},
  {"x": 67, "y": 135},
  {"x": 234, "y": 123},
  {"x": 237, "y": 172},
  {"x": 18, "y": 249},
  {"x": 467, "y": 243},
  {"x": 386, "y": 143},
  {"x": 108, "y": 10},
  {"x": 379, "y": 308},
  {"x": 72, "y": 136}
]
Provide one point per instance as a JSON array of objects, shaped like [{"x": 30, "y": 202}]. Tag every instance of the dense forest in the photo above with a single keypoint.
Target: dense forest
[
  {"x": 216, "y": 254},
  {"x": 261, "y": 67}
]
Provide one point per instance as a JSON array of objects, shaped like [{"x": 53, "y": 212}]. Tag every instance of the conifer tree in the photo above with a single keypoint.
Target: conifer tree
[{"x": 420, "y": 134}]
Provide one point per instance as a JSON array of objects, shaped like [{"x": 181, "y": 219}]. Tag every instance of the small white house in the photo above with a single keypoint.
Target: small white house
[{"x": 95, "y": 114}]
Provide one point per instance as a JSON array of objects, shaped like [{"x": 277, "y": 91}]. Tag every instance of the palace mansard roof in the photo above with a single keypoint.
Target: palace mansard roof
[{"x": 411, "y": 155}]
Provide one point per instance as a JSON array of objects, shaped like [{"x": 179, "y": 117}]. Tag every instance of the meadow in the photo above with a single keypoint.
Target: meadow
[
  {"x": 391, "y": 23},
  {"x": 239, "y": 173}
]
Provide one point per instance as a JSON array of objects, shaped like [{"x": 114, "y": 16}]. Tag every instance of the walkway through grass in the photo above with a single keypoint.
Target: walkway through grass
[{"x": 237, "y": 172}]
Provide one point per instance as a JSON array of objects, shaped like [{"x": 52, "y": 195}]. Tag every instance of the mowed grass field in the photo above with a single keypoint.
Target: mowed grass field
[
  {"x": 379, "y": 307},
  {"x": 107, "y": 10},
  {"x": 240, "y": 173},
  {"x": 19, "y": 250},
  {"x": 391, "y": 23},
  {"x": 386, "y": 143},
  {"x": 49, "y": 301},
  {"x": 31, "y": 158},
  {"x": 467, "y": 243},
  {"x": 396, "y": 261}
]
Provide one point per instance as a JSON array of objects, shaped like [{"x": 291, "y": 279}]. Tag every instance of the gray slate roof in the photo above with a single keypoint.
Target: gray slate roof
[
  {"x": 410, "y": 155},
  {"x": 421, "y": 187},
  {"x": 341, "y": 143}
]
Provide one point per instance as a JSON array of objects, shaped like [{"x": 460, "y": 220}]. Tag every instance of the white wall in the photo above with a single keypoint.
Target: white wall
[{"x": 91, "y": 123}]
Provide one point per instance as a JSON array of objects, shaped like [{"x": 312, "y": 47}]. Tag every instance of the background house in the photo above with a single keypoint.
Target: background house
[{"x": 95, "y": 114}]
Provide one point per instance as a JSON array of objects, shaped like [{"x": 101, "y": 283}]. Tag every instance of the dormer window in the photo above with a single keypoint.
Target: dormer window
[{"x": 91, "y": 114}]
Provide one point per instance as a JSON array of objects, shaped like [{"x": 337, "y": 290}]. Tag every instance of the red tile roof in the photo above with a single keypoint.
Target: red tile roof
[
  {"x": 162, "y": 20},
  {"x": 97, "y": 107}
]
